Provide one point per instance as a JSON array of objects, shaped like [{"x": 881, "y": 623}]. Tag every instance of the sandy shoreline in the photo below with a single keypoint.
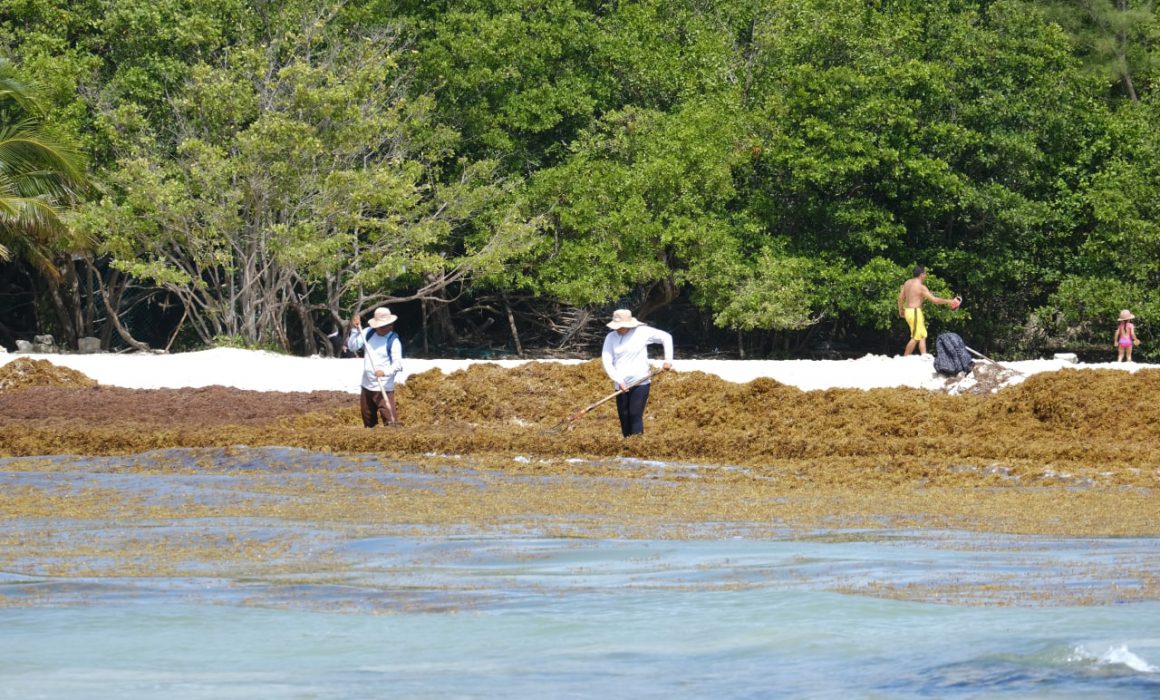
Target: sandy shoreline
[{"x": 265, "y": 371}]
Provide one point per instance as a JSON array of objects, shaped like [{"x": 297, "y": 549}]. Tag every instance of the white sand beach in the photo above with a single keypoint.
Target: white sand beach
[{"x": 265, "y": 371}]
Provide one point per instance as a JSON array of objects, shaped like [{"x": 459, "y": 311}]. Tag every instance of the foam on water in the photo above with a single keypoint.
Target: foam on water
[{"x": 1118, "y": 655}]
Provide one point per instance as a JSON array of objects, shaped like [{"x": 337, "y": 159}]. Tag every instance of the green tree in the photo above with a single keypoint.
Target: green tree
[
  {"x": 641, "y": 203},
  {"x": 883, "y": 139},
  {"x": 1119, "y": 40},
  {"x": 41, "y": 176},
  {"x": 645, "y": 203},
  {"x": 778, "y": 166},
  {"x": 303, "y": 179},
  {"x": 1118, "y": 263},
  {"x": 518, "y": 78}
]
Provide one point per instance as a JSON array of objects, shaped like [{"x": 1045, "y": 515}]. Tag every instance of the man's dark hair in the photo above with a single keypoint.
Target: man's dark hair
[{"x": 919, "y": 269}]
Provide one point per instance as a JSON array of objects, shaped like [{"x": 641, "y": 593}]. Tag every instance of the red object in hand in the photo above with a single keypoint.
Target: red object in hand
[{"x": 956, "y": 302}]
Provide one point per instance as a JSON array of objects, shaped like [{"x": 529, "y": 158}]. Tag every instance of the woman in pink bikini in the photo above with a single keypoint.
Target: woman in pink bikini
[{"x": 1126, "y": 336}]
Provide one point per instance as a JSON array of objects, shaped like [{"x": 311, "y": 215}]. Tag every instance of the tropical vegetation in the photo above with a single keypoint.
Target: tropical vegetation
[{"x": 758, "y": 176}]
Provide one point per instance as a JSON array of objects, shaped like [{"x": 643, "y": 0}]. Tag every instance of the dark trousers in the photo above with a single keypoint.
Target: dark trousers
[
  {"x": 372, "y": 405},
  {"x": 630, "y": 408}
]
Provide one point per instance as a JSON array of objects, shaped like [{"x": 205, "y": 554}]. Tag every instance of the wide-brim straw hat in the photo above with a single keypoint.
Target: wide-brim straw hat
[
  {"x": 382, "y": 317},
  {"x": 1126, "y": 315},
  {"x": 622, "y": 318}
]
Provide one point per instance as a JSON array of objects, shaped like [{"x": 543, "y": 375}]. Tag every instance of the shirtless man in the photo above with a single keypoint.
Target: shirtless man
[{"x": 910, "y": 299}]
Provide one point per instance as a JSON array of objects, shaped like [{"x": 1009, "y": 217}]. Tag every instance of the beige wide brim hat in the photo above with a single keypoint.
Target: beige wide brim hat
[
  {"x": 1126, "y": 315},
  {"x": 622, "y": 318},
  {"x": 382, "y": 317}
]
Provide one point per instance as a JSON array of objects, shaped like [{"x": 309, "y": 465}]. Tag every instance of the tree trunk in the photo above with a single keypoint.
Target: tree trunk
[
  {"x": 426, "y": 344},
  {"x": 116, "y": 321},
  {"x": 512, "y": 324},
  {"x": 1122, "y": 56},
  {"x": 64, "y": 317}
]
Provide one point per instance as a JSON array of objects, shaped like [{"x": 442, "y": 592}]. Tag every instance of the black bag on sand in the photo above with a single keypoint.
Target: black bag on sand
[{"x": 952, "y": 357}]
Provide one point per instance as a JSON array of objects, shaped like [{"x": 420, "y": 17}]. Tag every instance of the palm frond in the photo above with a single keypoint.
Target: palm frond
[
  {"x": 16, "y": 91},
  {"x": 42, "y": 162},
  {"x": 40, "y": 177}
]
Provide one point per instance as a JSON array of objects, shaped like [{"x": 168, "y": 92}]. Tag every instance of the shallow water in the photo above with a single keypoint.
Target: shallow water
[
  {"x": 584, "y": 644},
  {"x": 157, "y": 598}
]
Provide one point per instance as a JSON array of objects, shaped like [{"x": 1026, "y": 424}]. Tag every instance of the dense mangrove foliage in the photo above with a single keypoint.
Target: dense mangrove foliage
[{"x": 758, "y": 176}]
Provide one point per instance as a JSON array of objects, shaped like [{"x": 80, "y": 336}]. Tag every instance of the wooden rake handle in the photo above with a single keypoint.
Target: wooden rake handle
[{"x": 578, "y": 414}]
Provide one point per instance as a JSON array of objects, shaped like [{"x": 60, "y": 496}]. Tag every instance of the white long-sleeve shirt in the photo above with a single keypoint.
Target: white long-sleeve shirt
[
  {"x": 625, "y": 357},
  {"x": 377, "y": 353}
]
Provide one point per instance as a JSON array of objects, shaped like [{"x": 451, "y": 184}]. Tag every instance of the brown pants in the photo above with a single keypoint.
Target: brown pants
[{"x": 372, "y": 406}]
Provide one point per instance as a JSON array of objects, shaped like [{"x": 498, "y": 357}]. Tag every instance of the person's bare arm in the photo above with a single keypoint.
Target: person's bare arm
[
  {"x": 933, "y": 299},
  {"x": 902, "y": 301}
]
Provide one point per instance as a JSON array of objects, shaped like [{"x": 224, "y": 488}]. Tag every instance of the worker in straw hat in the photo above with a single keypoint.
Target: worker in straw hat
[
  {"x": 625, "y": 360},
  {"x": 382, "y": 362},
  {"x": 1125, "y": 336}
]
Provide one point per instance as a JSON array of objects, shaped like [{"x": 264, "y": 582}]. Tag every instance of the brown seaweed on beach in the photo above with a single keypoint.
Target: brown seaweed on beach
[
  {"x": 1076, "y": 419},
  {"x": 25, "y": 372},
  {"x": 1049, "y": 454}
]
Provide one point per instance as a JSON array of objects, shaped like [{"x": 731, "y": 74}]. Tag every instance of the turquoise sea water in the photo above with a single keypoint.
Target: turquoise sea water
[{"x": 505, "y": 614}]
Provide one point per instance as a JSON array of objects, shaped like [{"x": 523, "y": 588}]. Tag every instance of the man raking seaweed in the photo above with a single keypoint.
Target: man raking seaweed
[{"x": 382, "y": 362}]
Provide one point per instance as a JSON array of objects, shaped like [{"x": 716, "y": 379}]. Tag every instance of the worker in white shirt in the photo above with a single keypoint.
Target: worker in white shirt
[
  {"x": 382, "y": 362},
  {"x": 625, "y": 360}
]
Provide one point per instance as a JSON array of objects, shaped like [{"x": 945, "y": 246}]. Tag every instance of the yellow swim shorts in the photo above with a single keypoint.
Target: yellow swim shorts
[{"x": 917, "y": 323}]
